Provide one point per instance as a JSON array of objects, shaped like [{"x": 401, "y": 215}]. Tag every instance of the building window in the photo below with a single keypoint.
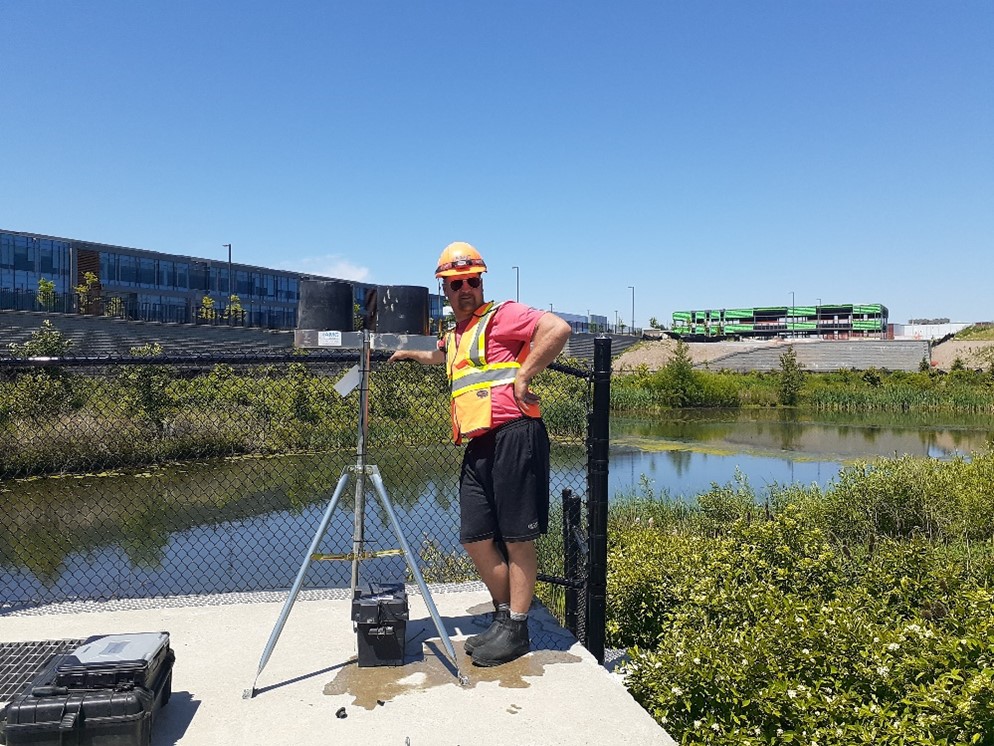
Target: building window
[
  {"x": 22, "y": 258},
  {"x": 167, "y": 279},
  {"x": 108, "y": 267},
  {"x": 146, "y": 273},
  {"x": 199, "y": 278},
  {"x": 127, "y": 270},
  {"x": 46, "y": 263},
  {"x": 182, "y": 276}
]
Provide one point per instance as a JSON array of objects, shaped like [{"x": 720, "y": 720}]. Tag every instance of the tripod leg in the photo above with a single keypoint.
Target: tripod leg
[
  {"x": 275, "y": 635},
  {"x": 374, "y": 475}
]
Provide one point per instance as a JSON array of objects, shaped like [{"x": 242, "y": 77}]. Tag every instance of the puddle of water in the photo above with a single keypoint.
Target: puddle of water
[
  {"x": 375, "y": 686},
  {"x": 426, "y": 667}
]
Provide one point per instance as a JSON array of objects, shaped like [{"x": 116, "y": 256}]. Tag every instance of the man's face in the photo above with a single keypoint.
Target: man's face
[{"x": 462, "y": 296}]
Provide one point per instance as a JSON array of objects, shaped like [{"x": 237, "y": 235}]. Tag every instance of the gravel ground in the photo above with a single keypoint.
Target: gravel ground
[{"x": 656, "y": 353}]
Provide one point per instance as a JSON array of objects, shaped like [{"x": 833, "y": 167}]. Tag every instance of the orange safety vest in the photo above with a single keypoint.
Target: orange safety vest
[{"x": 472, "y": 378}]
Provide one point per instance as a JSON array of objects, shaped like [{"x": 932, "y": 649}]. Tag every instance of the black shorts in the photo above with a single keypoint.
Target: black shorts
[{"x": 504, "y": 483}]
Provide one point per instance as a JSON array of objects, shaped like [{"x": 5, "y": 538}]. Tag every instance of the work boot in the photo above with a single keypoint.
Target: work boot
[
  {"x": 472, "y": 643},
  {"x": 510, "y": 641}
]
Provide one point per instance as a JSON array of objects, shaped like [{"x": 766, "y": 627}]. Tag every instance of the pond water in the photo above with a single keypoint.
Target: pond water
[
  {"x": 686, "y": 452},
  {"x": 243, "y": 524}
]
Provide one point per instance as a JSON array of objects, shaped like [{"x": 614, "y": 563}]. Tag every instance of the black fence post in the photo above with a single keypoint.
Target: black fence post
[
  {"x": 598, "y": 434},
  {"x": 571, "y": 561}
]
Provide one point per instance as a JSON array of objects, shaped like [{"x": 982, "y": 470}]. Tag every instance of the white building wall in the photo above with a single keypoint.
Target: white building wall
[{"x": 926, "y": 331}]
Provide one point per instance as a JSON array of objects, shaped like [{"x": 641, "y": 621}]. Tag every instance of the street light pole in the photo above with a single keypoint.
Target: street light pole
[
  {"x": 228, "y": 247},
  {"x": 632, "y": 288},
  {"x": 789, "y": 318},
  {"x": 517, "y": 277}
]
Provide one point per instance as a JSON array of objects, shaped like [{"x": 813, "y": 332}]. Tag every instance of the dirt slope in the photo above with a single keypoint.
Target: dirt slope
[
  {"x": 971, "y": 353},
  {"x": 656, "y": 353}
]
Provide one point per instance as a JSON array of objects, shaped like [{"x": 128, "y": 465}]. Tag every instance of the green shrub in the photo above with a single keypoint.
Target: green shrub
[
  {"x": 791, "y": 379},
  {"x": 858, "y": 614},
  {"x": 908, "y": 496}
]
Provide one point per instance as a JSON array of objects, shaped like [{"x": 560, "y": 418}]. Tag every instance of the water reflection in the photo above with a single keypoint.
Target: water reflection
[
  {"x": 686, "y": 473},
  {"x": 234, "y": 524},
  {"x": 832, "y": 436},
  {"x": 684, "y": 453}
]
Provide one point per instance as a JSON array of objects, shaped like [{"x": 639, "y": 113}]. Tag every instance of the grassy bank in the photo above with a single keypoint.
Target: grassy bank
[
  {"x": 73, "y": 420},
  {"x": 858, "y": 614},
  {"x": 678, "y": 385}
]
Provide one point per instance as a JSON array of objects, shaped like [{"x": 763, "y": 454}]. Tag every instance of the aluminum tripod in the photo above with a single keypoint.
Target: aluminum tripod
[{"x": 362, "y": 470}]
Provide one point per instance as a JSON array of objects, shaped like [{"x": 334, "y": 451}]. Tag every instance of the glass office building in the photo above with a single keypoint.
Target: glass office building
[
  {"x": 24, "y": 260},
  {"x": 149, "y": 285}
]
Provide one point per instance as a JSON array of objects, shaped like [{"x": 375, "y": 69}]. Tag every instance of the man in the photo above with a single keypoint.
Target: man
[{"x": 491, "y": 356}]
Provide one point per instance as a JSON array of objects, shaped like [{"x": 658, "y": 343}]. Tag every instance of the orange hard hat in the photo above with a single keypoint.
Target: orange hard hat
[{"x": 460, "y": 258}]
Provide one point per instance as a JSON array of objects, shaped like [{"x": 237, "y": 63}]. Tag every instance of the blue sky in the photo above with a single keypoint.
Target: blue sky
[{"x": 710, "y": 154}]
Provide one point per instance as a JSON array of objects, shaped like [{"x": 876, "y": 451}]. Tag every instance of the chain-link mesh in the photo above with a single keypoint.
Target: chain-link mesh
[{"x": 146, "y": 477}]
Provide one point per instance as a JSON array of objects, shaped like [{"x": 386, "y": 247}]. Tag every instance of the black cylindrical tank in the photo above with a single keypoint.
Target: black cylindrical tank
[
  {"x": 325, "y": 305},
  {"x": 398, "y": 309}
]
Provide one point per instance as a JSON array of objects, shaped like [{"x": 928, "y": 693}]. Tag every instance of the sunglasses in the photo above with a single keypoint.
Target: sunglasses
[{"x": 474, "y": 282}]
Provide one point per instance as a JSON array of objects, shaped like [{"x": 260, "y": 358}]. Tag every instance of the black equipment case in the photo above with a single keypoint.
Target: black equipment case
[
  {"x": 380, "y": 611},
  {"x": 104, "y": 693}
]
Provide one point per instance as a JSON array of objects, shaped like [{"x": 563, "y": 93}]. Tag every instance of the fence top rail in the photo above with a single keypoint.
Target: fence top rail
[
  {"x": 570, "y": 370},
  {"x": 324, "y": 356},
  {"x": 57, "y": 362}
]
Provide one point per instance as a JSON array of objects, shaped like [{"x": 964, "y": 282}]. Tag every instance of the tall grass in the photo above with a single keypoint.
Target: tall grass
[{"x": 960, "y": 391}]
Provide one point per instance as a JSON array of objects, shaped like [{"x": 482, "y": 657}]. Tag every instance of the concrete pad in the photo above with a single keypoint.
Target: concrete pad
[{"x": 557, "y": 694}]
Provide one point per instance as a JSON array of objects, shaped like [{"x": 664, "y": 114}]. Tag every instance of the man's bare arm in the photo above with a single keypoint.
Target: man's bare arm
[
  {"x": 425, "y": 357},
  {"x": 548, "y": 340}
]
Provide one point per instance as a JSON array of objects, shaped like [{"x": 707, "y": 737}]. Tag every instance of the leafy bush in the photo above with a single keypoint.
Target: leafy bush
[
  {"x": 791, "y": 378},
  {"x": 908, "y": 496},
  {"x": 753, "y": 625},
  {"x": 675, "y": 385},
  {"x": 43, "y": 392}
]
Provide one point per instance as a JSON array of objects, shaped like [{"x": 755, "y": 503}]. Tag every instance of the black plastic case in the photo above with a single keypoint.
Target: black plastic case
[
  {"x": 109, "y": 661},
  {"x": 119, "y": 715},
  {"x": 380, "y": 611}
]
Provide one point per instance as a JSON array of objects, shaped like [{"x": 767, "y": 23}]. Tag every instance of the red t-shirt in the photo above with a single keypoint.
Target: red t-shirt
[{"x": 511, "y": 328}]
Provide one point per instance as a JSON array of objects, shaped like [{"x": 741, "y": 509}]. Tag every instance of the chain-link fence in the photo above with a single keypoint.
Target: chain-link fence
[{"x": 148, "y": 476}]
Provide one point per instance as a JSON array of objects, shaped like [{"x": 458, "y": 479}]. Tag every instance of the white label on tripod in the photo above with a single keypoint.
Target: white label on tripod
[
  {"x": 329, "y": 339},
  {"x": 349, "y": 381}
]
